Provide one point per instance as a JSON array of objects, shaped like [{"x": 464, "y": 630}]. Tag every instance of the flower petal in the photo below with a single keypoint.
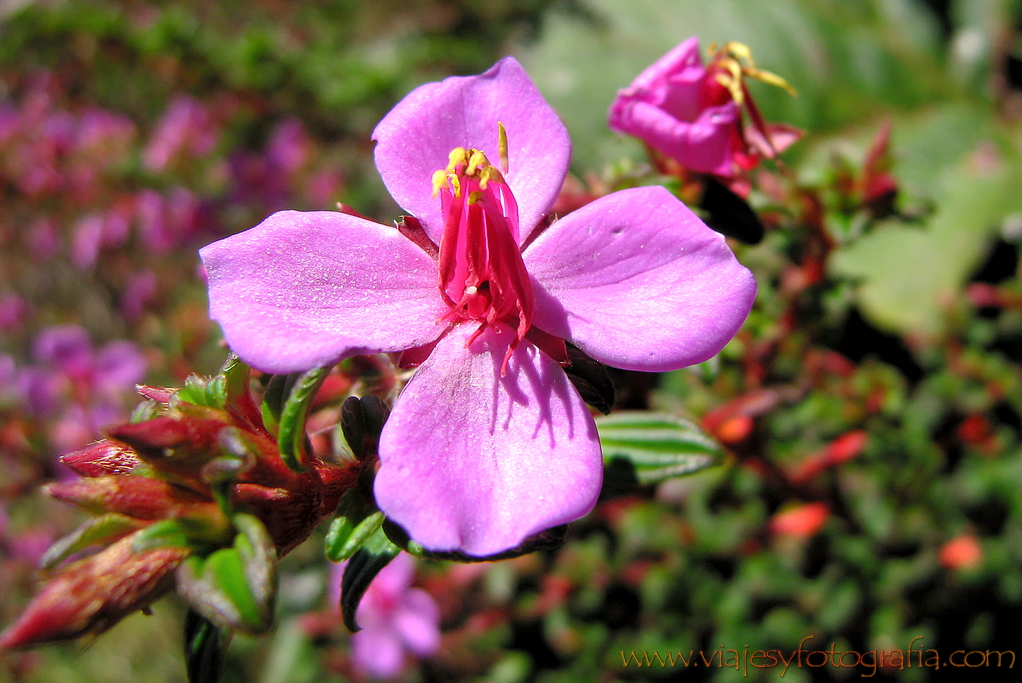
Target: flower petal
[
  {"x": 305, "y": 289},
  {"x": 418, "y": 622},
  {"x": 703, "y": 145},
  {"x": 638, "y": 282},
  {"x": 476, "y": 462},
  {"x": 378, "y": 652},
  {"x": 418, "y": 134}
]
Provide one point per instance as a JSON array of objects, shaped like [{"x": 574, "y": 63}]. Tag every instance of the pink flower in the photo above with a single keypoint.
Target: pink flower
[
  {"x": 395, "y": 620},
  {"x": 693, "y": 114},
  {"x": 489, "y": 442}
]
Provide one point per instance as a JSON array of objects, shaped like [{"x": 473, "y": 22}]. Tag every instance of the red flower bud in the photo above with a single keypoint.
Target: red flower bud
[
  {"x": 101, "y": 458},
  {"x": 95, "y": 593},
  {"x": 138, "y": 497}
]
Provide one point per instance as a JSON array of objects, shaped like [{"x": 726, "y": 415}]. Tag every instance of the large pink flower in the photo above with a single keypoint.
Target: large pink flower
[{"x": 489, "y": 442}]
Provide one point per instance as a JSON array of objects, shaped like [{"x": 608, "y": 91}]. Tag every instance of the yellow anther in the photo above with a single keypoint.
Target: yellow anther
[
  {"x": 771, "y": 79},
  {"x": 739, "y": 51},
  {"x": 488, "y": 173},
  {"x": 476, "y": 161},
  {"x": 732, "y": 80},
  {"x": 474, "y": 196},
  {"x": 455, "y": 184},
  {"x": 439, "y": 181},
  {"x": 736, "y": 58},
  {"x": 502, "y": 146},
  {"x": 458, "y": 156}
]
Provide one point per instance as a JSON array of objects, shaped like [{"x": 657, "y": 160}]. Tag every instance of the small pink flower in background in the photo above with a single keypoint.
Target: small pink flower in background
[
  {"x": 186, "y": 128},
  {"x": 396, "y": 620},
  {"x": 693, "y": 113},
  {"x": 489, "y": 442},
  {"x": 80, "y": 387},
  {"x": 13, "y": 310}
]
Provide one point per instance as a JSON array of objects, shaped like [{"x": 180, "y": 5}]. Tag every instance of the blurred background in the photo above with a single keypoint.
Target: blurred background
[{"x": 870, "y": 410}]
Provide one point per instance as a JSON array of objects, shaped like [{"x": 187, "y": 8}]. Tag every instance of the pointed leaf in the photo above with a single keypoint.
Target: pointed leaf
[
  {"x": 291, "y": 431},
  {"x": 205, "y": 649},
  {"x": 729, "y": 214},
  {"x": 162, "y": 534},
  {"x": 357, "y": 519},
  {"x": 591, "y": 379},
  {"x": 361, "y": 423},
  {"x": 375, "y": 554},
  {"x": 235, "y": 587},
  {"x": 98, "y": 531},
  {"x": 656, "y": 446}
]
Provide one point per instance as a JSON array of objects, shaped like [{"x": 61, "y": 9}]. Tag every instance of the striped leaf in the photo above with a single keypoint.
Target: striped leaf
[{"x": 652, "y": 447}]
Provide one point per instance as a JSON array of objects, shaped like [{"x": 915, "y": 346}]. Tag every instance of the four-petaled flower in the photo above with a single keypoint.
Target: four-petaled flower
[
  {"x": 693, "y": 113},
  {"x": 489, "y": 442}
]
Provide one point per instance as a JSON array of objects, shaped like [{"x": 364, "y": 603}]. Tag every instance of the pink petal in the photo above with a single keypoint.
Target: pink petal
[
  {"x": 684, "y": 56},
  {"x": 476, "y": 462},
  {"x": 418, "y": 622},
  {"x": 304, "y": 289},
  {"x": 703, "y": 145},
  {"x": 418, "y": 134},
  {"x": 675, "y": 82},
  {"x": 378, "y": 652},
  {"x": 638, "y": 282}
]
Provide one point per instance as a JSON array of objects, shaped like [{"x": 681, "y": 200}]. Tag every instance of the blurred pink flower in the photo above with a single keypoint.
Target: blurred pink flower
[
  {"x": 80, "y": 387},
  {"x": 185, "y": 129},
  {"x": 396, "y": 621},
  {"x": 693, "y": 113}
]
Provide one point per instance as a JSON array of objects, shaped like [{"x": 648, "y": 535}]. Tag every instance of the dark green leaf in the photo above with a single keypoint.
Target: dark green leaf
[
  {"x": 375, "y": 554},
  {"x": 361, "y": 423},
  {"x": 729, "y": 214},
  {"x": 205, "y": 646},
  {"x": 591, "y": 379}
]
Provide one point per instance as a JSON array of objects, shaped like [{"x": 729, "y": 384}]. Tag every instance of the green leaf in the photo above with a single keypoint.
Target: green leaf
[
  {"x": 356, "y": 520},
  {"x": 234, "y": 587},
  {"x": 99, "y": 531},
  {"x": 375, "y": 554},
  {"x": 210, "y": 392},
  {"x": 205, "y": 647},
  {"x": 162, "y": 534},
  {"x": 654, "y": 446},
  {"x": 291, "y": 435},
  {"x": 973, "y": 201}
]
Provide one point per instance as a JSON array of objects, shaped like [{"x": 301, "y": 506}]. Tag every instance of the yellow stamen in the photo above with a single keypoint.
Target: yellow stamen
[
  {"x": 736, "y": 58},
  {"x": 476, "y": 160},
  {"x": 439, "y": 181},
  {"x": 502, "y": 146}
]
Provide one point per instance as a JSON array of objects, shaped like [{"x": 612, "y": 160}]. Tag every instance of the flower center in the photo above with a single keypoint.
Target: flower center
[{"x": 482, "y": 275}]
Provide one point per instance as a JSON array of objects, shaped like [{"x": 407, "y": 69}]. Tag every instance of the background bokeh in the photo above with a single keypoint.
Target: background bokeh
[{"x": 871, "y": 409}]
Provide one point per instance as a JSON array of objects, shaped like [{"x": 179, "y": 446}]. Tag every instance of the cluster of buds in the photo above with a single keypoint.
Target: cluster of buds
[{"x": 201, "y": 491}]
